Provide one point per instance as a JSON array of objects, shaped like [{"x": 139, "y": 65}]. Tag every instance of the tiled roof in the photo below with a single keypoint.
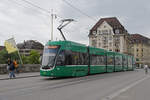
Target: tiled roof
[
  {"x": 136, "y": 38},
  {"x": 112, "y": 21}
]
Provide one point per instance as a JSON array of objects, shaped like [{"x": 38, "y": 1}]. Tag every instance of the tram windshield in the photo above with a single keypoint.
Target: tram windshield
[{"x": 49, "y": 55}]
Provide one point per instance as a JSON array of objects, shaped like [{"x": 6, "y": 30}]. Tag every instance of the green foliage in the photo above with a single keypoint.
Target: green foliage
[
  {"x": 14, "y": 55},
  {"x": 34, "y": 57},
  {"x": 25, "y": 59},
  {"x": 3, "y": 56}
]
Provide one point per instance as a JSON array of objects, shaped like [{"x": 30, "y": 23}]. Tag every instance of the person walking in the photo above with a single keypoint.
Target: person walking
[
  {"x": 8, "y": 63},
  {"x": 12, "y": 70},
  {"x": 146, "y": 69},
  {"x": 16, "y": 66}
]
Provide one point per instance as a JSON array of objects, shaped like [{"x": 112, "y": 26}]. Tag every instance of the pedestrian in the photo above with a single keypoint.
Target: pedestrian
[
  {"x": 8, "y": 63},
  {"x": 146, "y": 69},
  {"x": 12, "y": 71},
  {"x": 16, "y": 66}
]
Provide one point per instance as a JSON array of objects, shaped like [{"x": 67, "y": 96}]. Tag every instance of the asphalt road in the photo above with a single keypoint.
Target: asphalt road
[{"x": 94, "y": 87}]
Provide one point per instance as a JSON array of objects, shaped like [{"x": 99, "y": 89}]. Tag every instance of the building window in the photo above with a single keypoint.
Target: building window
[
  {"x": 110, "y": 31},
  {"x": 117, "y": 31},
  {"x": 94, "y": 43},
  {"x": 104, "y": 43},
  {"x": 94, "y": 32},
  {"x": 110, "y": 37},
  {"x": 117, "y": 39},
  {"x": 99, "y": 44},
  {"x": 105, "y": 31},
  {"x": 137, "y": 50},
  {"x": 110, "y": 44},
  {"x": 117, "y": 50},
  {"x": 105, "y": 38},
  {"x": 99, "y": 31}
]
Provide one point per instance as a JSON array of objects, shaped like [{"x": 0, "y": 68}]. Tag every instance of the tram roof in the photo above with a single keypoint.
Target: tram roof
[{"x": 65, "y": 43}]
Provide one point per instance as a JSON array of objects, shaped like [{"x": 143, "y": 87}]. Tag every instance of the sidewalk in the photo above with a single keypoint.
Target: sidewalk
[{"x": 20, "y": 75}]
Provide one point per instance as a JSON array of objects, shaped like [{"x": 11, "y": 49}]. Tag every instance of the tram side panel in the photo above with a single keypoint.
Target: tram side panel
[
  {"x": 97, "y": 60},
  {"x": 118, "y": 62},
  {"x": 133, "y": 63},
  {"x": 110, "y": 62},
  {"x": 76, "y": 62},
  {"x": 130, "y": 67},
  {"x": 125, "y": 62}
]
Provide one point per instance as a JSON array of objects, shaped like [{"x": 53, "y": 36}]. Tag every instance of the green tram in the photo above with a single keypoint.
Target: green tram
[{"x": 70, "y": 59}]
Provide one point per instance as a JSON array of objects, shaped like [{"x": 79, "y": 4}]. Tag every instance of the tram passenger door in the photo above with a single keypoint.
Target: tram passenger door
[{"x": 60, "y": 59}]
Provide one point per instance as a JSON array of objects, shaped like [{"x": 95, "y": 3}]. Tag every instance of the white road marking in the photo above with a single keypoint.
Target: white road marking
[{"x": 115, "y": 94}]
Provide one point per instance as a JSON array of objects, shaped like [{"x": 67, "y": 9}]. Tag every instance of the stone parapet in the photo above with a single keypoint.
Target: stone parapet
[{"x": 22, "y": 68}]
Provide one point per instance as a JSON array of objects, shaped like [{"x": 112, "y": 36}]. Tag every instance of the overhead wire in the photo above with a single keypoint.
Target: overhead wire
[
  {"x": 37, "y": 6},
  {"x": 47, "y": 11},
  {"x": 85, "y": 14},
  {"x": 27, "y": 7}
]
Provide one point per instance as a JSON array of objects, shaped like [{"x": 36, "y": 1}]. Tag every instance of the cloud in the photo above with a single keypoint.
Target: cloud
[{"x": 27, "y": 22}]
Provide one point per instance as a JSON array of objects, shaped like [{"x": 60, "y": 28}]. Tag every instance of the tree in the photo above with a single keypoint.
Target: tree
[
  {"x": 34, "y": 57},
  {"x": 3, "y": 56},
  {"x": 25, "y": 59}
]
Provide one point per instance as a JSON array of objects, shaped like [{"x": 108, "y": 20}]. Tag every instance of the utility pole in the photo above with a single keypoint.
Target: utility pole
[{"x": 52, "y": 24}]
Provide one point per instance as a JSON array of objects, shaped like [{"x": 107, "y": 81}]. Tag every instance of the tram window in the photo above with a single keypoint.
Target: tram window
[
  {"x": 124, "y": 59},
  {"x": 129, "y": 62},
  {"x": 68, "y": 58},
  {"x": 98, "y": 60},
  {"x": 118, "y": 60},
  {"x": 110, "y": 60},
  {"x": 85, "y": 58},
  {"x": 76, "y": 58},
  {"x": 93, "y": 60},
  {"x": 61, "y": 58},
  {"x": 79, "y": 58}
]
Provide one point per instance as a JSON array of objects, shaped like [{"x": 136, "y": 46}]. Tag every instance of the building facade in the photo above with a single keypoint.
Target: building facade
[
  {"x": 140, "y": 49},
  {"x": 109, "y": 34},
  {"x": 27, "y": 46}
]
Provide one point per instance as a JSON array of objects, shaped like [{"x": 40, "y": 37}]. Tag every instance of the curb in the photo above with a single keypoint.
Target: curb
[{"x": 20, "y": 77}]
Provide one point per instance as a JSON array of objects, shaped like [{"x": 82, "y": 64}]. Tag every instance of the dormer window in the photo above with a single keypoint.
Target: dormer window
[
  {"x": 94, "y": 32},
  {"x": 117, "y": 31}
]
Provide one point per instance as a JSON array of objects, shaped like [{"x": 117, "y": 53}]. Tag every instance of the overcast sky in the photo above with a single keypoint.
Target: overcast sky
[{"x": 25, "y": 22}]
